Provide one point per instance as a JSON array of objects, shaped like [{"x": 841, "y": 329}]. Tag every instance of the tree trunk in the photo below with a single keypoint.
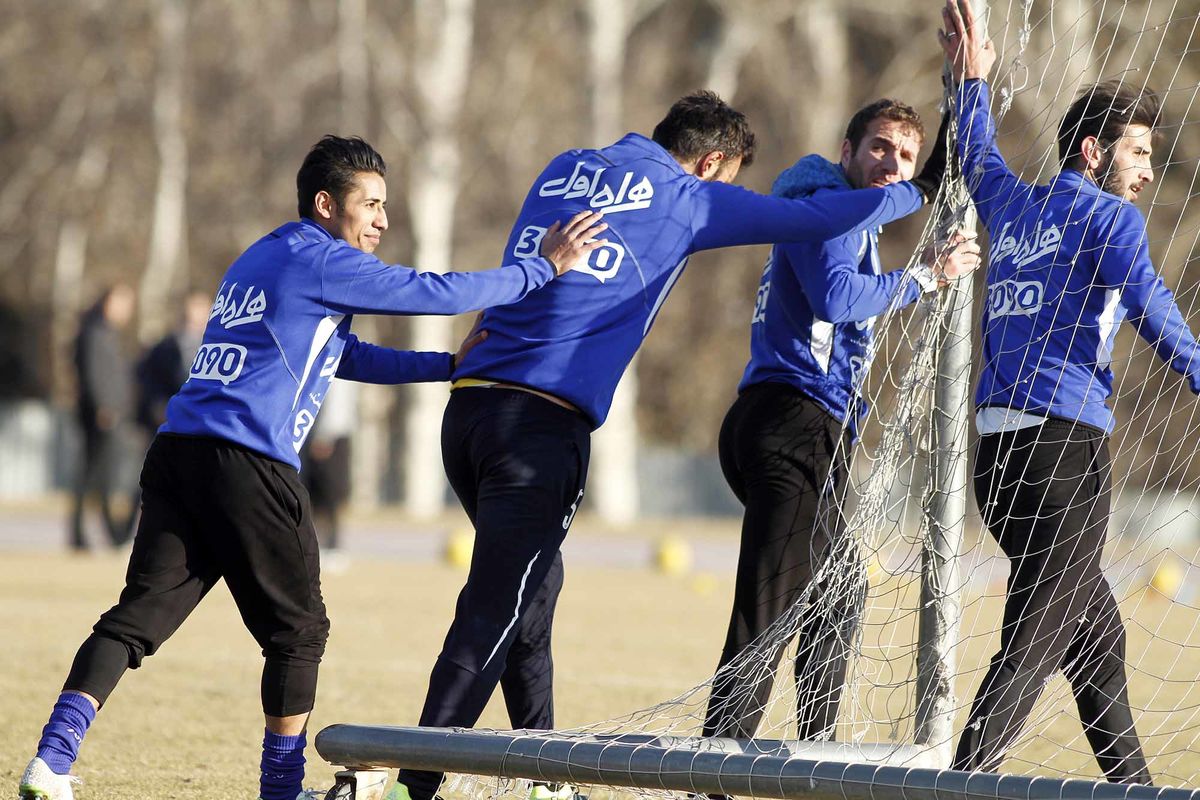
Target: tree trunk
[
  {"x": 613, "y": 472},
  {"x": 166, "y": 262},
  {"x": 369, "y": 443},
  {"x": 440, "y": 79}
]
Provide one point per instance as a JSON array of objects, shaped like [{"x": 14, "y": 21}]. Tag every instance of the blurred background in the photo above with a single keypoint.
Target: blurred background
[{"x": 148, "y": 142}]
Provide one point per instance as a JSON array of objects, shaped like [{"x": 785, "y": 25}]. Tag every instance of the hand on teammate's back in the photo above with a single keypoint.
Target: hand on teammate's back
[
  {"x": 564, "y": 246},
  {"x": 965, "y": 42},
  {"x": 473, "y": 337}
]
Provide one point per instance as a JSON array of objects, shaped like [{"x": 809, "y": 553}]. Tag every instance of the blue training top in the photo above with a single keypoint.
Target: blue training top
[
  {"x": 575, "y": 338},
  {"x": 1067, "y": 263},
  {"x": 279, "y": 331},
  {"x": 814, "y": 318}
]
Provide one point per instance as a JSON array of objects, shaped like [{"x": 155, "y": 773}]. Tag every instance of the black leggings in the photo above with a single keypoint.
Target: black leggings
[
  {"x": 778, "y": 447},
  {"x": 213, "y": 510},
  {"x": 1044, "y": 493},
  {"x": 518, "y": 464}
]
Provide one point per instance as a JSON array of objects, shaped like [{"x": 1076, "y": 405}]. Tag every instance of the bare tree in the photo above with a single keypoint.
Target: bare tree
[
  {"x": 614, "y": 446},
  {"x": 440, "y": 78},
  {"x": 167, "y": 258}
]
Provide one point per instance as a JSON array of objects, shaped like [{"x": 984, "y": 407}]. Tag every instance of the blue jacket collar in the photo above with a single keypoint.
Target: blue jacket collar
[
  {"x": 807, "y": 176},
  {"x": 645, "y": 147},
  {"x": 312, "y": 227}
]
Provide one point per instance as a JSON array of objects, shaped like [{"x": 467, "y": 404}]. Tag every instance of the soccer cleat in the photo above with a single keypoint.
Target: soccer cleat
[
  {"x": 42, "y": 783},
  {"x": 398, "y": 792},
  {"x": 554, "y": 791}
]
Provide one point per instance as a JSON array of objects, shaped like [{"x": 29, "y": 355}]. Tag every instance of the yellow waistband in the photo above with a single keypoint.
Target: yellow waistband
[{"x": 463, "y": 383}]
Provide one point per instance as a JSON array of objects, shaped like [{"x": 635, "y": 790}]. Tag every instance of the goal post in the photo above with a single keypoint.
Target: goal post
[{"x": 705, "y": 767}]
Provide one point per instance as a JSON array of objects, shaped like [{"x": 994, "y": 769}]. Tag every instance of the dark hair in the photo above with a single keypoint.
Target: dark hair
[
  {"x": 702, "y": 122},
  {"x": 1105, "y": 111},
  {"x": 885, "y": 108},
  {"x": 331, "y": 165}
]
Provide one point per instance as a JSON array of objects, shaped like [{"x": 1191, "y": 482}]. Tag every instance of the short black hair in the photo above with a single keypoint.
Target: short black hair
[
  {"x": 702, "y": 122},
  {"x": 1105, "y": 111},
  {"x": 331, "y": 165},
  {"x": 885, "y": 108}
]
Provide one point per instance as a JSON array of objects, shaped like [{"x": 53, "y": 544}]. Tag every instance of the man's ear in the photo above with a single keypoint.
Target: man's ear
[
  {"x": 709, "y": 164},
  {"x": 1092, "y": 153},
  {"x": 324, "y": 205},
  {"x": 847, "y": 153}
]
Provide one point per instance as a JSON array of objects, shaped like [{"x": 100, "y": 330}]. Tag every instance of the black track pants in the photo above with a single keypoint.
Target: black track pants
[
  {"x": 518, "y": 464},
  {"x": 213, "y": 510},
  {"x": 778, "y": 448},
  {"x": 1044, "y": 493}
]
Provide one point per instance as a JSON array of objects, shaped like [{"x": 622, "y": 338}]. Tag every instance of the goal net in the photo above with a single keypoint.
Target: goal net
[{"x": 913, "y": 593}]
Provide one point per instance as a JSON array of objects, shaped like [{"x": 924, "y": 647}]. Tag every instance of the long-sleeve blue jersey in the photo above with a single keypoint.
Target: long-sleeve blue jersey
[
  {"x": 814, "y": 317},
  {"x": 279, "y": 331},
  {"x": 575, "y": 338},
  {"x": 1067, "y": 263}
]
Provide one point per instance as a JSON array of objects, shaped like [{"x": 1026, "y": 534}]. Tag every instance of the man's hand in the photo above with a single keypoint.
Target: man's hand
[
  {"x": 965, "y": 42},
  {"x": 957, "y": 256},
  {"x": 474, "y": 337},
  {"x": 565, "y": 246}
]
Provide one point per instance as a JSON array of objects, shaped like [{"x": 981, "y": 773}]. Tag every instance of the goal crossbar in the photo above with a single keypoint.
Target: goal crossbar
[{"x": 757, "y": 768}]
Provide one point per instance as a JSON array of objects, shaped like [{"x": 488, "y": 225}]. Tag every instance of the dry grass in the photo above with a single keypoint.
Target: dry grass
[{"x": 188, "y": 725}]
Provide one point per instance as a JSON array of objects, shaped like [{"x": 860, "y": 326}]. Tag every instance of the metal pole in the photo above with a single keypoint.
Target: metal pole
[
  {"x": 616, "y": 763},
  {"x": 946, "y": 508}
]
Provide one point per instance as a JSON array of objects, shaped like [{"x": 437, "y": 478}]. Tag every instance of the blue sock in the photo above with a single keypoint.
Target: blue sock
[
  {"x": 69, "y": 721},
  {"x": 282, "y": 766}
]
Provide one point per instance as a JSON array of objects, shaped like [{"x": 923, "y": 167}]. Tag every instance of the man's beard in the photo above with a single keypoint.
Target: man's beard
[
  {"x": 1109, "y": 179},
  {"x": 1112, "y": 183}
]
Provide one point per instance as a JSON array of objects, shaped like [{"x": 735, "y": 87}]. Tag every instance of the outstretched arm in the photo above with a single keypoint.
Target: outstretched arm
[
  {"x": 838, "y": 292},
  {"x": 354, "y": 282},
  {"x": 971, "y": 55},
  {"x": 728, "y": 216},
  {"x": 1125, "y": 265},
  {"x": 370, "y": 363}
]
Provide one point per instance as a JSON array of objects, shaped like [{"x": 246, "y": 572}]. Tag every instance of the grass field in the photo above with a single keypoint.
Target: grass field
[{"x": 188, "y": 724}]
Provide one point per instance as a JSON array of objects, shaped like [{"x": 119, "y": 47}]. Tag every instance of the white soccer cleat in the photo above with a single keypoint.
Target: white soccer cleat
[{"x": 42, "y": 783}]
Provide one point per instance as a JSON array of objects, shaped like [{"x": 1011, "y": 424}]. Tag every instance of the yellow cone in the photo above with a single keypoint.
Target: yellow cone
[
  {"x": 459, "y": 545},
  {"x": 673, "y": 556},
  {"x": 1167, "y": 578}
]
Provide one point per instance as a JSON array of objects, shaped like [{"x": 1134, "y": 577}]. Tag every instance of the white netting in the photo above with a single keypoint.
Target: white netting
[{"x": 867, "y": 597}]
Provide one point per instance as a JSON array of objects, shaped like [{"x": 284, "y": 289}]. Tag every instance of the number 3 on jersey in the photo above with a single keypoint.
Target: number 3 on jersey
[{"x": 764, "y": 293}]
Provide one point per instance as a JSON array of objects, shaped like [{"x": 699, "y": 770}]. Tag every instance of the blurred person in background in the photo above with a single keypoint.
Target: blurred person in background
[
  {"x": 164, "y": 367},
  {"x": 106, "y": 403},
  {"x": 325, "y": 468}
]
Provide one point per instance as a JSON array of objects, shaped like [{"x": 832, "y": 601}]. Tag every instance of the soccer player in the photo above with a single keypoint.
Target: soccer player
[
  {"x": 785, "y": 443},
  {"x": 221, "y": 494},
  {"x": 1068, "y": 261},
  {"x": 515, "y": 436}
]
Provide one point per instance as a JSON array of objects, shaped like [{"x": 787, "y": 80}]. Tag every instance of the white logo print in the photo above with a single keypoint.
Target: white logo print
[
  {"x": 571, "y": 511},
  {"x": 601, "y": 198},
  {"x": 602, "y": 263},
  {"x": 1016, "y": 298},
  {"x": 764, "y": 293},
  {"x": 218, "y": 362},
  {"x": 232, "y": 313},
  {"x": 1027, "y": 247}
]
